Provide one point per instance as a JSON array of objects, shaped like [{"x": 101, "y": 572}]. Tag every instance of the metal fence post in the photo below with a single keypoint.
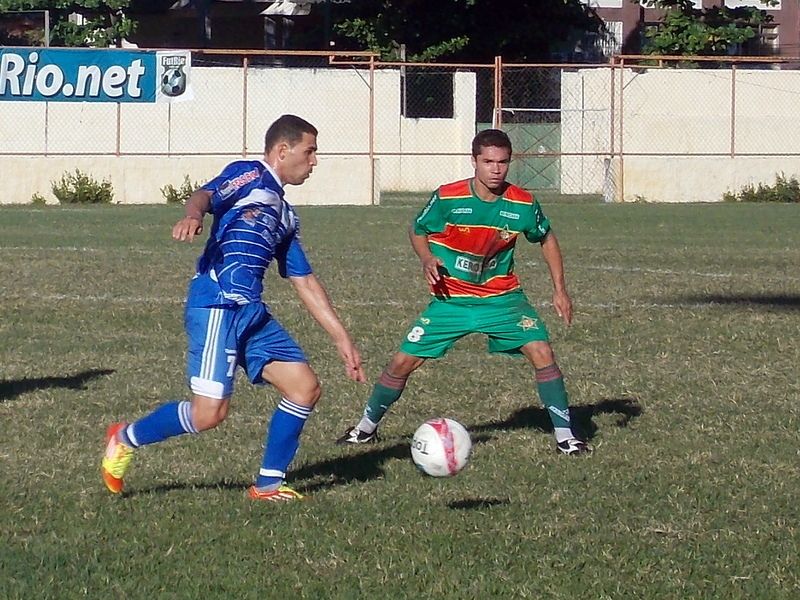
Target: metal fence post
[
  {"x": 497, "y": 121},
  {"x": 372, "y": 129},
  {"x": 733, "y": 110},
  {"x": 245, "y": 64}
]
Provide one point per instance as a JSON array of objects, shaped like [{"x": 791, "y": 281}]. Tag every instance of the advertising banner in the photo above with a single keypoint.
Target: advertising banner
[{"x": 89, "y": 75}]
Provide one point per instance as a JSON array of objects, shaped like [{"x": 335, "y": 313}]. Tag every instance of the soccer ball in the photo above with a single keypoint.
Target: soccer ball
[
  {"x": 441, "y": 447},
  {"x": 173, "y": 82}
]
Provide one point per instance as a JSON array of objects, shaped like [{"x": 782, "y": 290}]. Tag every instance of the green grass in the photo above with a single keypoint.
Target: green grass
[{"x": 681, "y": 364}]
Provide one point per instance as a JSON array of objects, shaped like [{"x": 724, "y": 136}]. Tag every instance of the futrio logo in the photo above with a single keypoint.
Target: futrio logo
[
  {"x": 173, "y": 76},
  {"x": 22, "y": 75},
  {"x": 86, "y": 75}
]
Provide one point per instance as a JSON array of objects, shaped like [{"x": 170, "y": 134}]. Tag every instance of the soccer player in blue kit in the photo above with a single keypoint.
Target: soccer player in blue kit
[{"x": 227, "y": 323}]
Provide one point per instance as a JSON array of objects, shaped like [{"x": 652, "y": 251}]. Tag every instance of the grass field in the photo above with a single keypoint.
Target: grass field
[{"x": 681, "y": 365}]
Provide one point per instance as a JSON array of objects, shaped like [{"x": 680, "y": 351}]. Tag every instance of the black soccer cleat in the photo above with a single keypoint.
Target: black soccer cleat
[
  {"x": 573, "y": 446},
  {"x": 355, "y": 436}
]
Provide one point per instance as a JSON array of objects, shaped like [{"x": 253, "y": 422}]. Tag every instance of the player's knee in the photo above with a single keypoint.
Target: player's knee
[
  {"x": 314, "y": 394},
  {"x": 402, "y": 365},
  {"x": 207, "y": 415},
  {"x": 307, "y": 394},
  {"x": 540, "y": 354}
]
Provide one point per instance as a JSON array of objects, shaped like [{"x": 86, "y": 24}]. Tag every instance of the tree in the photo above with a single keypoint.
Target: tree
[
  {"x": 98, "y": 23},
  {"x": 464, "y": 30},
  {"x": 689, "y": 31}
]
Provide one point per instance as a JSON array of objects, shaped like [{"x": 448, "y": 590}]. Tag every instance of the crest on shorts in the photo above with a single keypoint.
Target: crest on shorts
[{"x": 528, "y": 323}]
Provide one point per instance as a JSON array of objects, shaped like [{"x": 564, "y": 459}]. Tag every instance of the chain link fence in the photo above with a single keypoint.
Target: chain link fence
[{"x": 665, "y": 130}]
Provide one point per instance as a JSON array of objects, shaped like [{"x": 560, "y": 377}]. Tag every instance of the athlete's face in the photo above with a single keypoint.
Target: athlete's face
[
  {"x": 295, "y": 163},
  {"x": 491, "y": 167}
]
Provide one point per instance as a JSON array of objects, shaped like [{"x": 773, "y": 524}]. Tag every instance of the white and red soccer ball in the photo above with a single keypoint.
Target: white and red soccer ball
[{"x": 440, "y": 447}]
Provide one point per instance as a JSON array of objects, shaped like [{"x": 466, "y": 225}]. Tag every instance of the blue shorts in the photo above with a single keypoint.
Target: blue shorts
[{"x": 220, "y": 339}]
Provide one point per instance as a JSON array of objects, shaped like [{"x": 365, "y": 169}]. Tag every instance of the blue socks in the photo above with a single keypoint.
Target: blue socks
[
  {"x": 175, "y": 418},
  {"x": 168, "y": 420},
  {"x": 283, "y": 440}
]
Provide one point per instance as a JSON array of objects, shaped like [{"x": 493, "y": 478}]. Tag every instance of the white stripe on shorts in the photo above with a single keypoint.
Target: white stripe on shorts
[{"x": 210, "y": 346}]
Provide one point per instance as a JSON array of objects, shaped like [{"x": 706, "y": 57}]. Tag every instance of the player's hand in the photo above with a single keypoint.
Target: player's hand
[
  {"x": 430, "y": 268},
  {"x": 352, "y": 361},
  {"x": 187, "y": 228},
  {"x": 563, "y": 305}
]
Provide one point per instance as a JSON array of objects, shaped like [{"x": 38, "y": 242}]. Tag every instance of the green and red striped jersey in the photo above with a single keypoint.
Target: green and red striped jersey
[{"x": 475, "y": 239}]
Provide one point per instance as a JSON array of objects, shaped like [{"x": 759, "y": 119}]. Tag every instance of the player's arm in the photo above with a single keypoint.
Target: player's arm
[
  {"x": 551, "y": 252},
  {"x": 316, "y": 300},
  {"x": 198, "y": 204},
  {"x": 428, "y": 220},
  {"x": 430, "y": 264}
]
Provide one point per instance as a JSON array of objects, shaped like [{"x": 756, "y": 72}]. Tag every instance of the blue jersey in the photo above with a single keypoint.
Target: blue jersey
[{"x": 253, "y": 225}]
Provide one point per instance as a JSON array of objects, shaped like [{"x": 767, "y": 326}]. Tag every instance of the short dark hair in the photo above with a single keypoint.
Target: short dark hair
[
  {"x": 289, "y": 128},
  {"x": 490, "y": 137}
]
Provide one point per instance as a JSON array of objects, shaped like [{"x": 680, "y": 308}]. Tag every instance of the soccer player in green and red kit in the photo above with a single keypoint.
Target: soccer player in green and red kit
[{"x": 465, "y": 239}]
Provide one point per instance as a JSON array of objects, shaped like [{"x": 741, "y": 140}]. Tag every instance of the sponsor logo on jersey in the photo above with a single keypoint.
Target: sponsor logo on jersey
[
  {"x": 231, "y": 185},
  {"x": 468, "y": 265},
  {"x": 509, "y": 215},
  {"x": 461, "y": 211},
  {"x": 464, "y": 229}
]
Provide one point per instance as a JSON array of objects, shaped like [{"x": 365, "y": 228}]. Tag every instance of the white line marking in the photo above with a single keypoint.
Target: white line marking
[
  {"x": 109, "y": 251},
  {"x": 132, "y": 300},
  {"x": 578, "y": 267},
  {"x": 655, "y": 271}
]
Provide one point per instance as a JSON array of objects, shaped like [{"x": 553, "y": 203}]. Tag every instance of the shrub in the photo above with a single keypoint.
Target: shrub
[
  {"x": 38, "y": 199},
  {"x": 784, "y": 190},
  {"x": 181, "y": 194},
  {"x": 80, "y": 188}
]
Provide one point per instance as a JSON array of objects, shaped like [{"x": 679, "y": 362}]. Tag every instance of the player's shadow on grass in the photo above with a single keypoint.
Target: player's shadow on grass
[
  {"x": 477, "y": 503},
  {"x": 368, "y": 464},
  {"x": 163, "y": 488},
  {"x": 360, "y": 466},
  {"x": 12, "y": 388},
  {"x": 307, "y": 479},
  {"x": 582, "y": 417},
  {"x": 364, "y": 463},
  {"x": 785, "y": 302}
]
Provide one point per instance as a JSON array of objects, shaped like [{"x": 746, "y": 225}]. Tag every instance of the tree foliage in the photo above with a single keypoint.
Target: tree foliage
[
  {"x": 719, "y": 30},
  {"x": 101, "y": 23},
  {"x": 465, "y": 30}
]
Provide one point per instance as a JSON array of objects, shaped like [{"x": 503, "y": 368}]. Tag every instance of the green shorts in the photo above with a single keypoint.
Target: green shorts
[{"x": 509, "y": 322}]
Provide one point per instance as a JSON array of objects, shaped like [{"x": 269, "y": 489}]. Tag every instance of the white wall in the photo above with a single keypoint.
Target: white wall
[
  {"x": 445, "y": 143},
  {"x": 634, "y": 145},
  {"x": 663, "y": 114},
  {"x": 160, "y": 143}
]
